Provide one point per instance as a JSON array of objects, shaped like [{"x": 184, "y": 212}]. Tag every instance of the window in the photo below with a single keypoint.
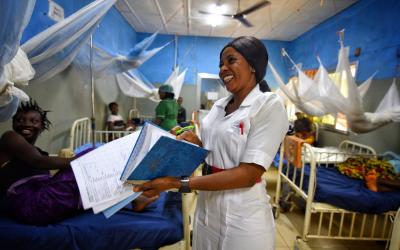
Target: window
[{"x": 337, "y": 121}]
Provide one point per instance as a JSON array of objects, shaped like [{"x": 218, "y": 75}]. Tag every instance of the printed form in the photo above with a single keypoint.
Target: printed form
[{"x": 98, "y": 173}]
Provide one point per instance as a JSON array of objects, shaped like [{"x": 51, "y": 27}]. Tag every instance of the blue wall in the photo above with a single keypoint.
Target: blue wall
[
  {"x": 200, "y": 55},
  {"x": 372, "y": 25},
  {"x": 107, "y": 36},
  {"x": 369, "y": 24}
]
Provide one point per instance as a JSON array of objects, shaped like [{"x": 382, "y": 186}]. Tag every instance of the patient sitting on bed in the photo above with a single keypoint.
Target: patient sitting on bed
[
  {"x": 115, "y": 122},
  {"x": 303, "y": 128},
  {"x": 27, "y": 191}
]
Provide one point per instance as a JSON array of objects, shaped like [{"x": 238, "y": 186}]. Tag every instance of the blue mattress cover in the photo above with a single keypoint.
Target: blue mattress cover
[
  {"x": 160, "y": 224},
  {"x": 345, "y": 192},
  {"x": 351, "y": 194}
]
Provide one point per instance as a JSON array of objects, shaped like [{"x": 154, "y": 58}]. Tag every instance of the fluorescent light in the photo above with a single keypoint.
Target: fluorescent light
[{"x": 214, "y": 20}]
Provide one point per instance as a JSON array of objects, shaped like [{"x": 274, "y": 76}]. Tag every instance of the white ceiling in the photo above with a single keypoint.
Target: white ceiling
[{"x": 283, "y": 20}]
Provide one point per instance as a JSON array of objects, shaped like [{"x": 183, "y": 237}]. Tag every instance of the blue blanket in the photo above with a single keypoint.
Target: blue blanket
[
  {"x": 160, "y": 224},
  {"x": 351, "y": 194}
]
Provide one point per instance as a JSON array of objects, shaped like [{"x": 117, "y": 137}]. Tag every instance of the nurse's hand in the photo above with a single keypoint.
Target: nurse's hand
[
  {"x": 156, "y": 186},
  {"x": 190, "y": 137}
]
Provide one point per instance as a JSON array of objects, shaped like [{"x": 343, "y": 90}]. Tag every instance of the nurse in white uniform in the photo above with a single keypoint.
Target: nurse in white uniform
[{"x": 242, "y": 132}]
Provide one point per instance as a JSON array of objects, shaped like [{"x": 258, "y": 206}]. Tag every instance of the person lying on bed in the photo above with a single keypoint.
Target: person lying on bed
[
  {"x": 379, "y": 184},
  {"x": 27, "y": 191},
  {"x": 379, "y": 174}
]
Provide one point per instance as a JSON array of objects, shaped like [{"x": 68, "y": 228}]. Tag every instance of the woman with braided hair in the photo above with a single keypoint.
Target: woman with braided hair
[{"x": 27, "y": 190}]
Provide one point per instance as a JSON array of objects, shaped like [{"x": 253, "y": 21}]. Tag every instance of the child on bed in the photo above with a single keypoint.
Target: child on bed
[
  {"x": 303, "y": 128},
  {"x": 27, "y": 190}
]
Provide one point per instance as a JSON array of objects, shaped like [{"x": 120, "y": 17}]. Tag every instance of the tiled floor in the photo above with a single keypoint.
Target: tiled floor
[{"x": 286, "y": 234}]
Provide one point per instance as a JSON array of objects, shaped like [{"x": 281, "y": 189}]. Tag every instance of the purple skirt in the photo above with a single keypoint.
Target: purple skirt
[{"x": 44, "y": 199}]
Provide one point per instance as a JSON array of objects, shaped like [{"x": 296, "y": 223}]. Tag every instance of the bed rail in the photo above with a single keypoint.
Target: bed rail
[
  {"x": 80, "y": 133},
  {"x": 104, "y": 136},
  {"x": 134, "y": 113},
  {"x": 331, "y": 222},
  {"x": 356, "y": 148}
]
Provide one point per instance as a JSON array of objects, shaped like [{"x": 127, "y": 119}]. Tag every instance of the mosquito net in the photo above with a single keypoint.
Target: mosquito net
[
  {"x": 340, "y": 94},
  {"x": 65, "y": 43},
  {"x": 15, "y": 68}
]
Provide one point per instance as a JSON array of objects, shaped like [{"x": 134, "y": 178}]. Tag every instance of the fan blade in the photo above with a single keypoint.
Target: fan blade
[
  {"x": 205, "y": 12},
  {"x": 209, "y": 13},
  {"x": 253, "y": 8},
  {"x": 243, "y": 20}
]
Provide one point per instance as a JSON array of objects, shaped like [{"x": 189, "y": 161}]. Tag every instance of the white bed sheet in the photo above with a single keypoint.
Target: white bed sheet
[{"x": 327, "y": 155}]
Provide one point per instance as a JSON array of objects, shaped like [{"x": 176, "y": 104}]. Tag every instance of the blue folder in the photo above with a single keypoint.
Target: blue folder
[{"x": 169, "y": 157}]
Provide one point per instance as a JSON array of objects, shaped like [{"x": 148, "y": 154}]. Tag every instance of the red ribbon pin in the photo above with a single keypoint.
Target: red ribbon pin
[{"x": 241, "y": 126}]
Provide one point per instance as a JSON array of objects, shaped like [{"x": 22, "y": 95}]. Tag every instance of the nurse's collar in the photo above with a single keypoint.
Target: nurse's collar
[{"x": 250, "y": 98}]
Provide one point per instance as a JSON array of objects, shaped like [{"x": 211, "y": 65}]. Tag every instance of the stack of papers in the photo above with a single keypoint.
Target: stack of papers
[
  {"x": 98, "y": 174},
  {"x": 102, "y": 175}
]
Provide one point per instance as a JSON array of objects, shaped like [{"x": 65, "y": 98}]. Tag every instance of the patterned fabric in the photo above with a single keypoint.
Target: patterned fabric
[{"x": 357, "y": 167}]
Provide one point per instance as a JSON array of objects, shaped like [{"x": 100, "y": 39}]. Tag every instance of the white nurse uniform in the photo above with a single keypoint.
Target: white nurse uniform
[{"x": 240, "y": 218}]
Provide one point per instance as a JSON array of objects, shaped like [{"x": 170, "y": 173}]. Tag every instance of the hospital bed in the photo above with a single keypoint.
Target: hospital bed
[
  {"x": 80, "y": 138},
  {"x": 161, "y": 224},
  {"x": 337, "y": 206},
  {"x": 81, "y": 134},
  {"x": 134, "y": 113}
]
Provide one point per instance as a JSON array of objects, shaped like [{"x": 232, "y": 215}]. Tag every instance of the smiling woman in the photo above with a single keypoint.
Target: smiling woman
[
  {"x": 20, "y": 159},
  {"x": 242, "y": 132}
]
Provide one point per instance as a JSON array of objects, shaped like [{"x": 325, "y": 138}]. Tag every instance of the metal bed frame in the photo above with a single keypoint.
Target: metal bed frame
[
  {"x": 81, "y": 134},
  {"x": 134, "y": 113},
  {"x": 332, "y": 222}
]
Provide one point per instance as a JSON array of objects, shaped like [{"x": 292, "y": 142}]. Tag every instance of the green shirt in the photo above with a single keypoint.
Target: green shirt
[{"x": 167, "y": 112}]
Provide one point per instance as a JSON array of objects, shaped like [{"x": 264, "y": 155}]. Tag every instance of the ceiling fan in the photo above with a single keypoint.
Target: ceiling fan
[{"x": 241, "y": 15}]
